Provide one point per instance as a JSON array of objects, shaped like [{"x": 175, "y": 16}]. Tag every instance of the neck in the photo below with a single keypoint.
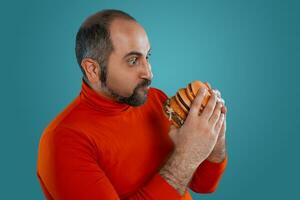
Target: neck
[
  {"x": 97, "y": 87},
  {"x": 94, "y": 98}
]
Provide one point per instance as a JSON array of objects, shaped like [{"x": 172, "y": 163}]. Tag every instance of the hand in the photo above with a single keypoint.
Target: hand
[
  {"x": 219, "y": 152},
  {"x": 197, "y": 137},
  {"x": 193, "y": 141}
]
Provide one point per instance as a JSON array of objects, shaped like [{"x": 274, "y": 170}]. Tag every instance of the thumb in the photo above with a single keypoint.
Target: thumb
[
  {"x": 172, "y": 131},
  {"x": 172, "y": 127}
]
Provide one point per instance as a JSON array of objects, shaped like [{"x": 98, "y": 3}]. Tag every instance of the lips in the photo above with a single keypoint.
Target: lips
[
  {"x": 145, "y": 83},
  {"x": 146, "y": 88},
  {"x": 177, "y": 107}
]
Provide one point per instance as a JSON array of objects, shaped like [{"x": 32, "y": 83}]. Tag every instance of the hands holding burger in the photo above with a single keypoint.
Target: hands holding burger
[{"x": 198, "y": 114}]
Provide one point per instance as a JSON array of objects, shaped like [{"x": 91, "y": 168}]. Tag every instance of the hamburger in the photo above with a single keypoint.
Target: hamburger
[{"x": 177, "y": 107}]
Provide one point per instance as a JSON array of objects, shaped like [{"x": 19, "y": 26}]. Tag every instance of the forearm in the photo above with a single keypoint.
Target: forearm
[{"x": 178, "y": 171}]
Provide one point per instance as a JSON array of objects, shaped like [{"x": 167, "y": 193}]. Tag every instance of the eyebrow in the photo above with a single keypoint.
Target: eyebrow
[{"x": 136, "y": 53}]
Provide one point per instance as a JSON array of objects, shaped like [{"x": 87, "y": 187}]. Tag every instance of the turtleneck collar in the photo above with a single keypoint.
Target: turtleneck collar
[{"x": 100, "y": 102}]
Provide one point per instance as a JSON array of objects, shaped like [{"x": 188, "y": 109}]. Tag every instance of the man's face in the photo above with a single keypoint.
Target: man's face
[{"x": 128, "y": 71}]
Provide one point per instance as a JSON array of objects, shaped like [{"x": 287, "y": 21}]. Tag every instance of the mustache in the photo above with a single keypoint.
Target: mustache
[{"x": 146, "y": 82}]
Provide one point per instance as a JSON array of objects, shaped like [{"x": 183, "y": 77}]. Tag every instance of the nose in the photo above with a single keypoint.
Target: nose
[{"x": 147, "y": 72}]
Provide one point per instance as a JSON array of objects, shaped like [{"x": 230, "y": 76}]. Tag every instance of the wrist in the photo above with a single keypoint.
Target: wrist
[
  {"x": 217, "y": 157},
  {"x": 188, "y": 158},
  {"x": 178, "y": 170}
]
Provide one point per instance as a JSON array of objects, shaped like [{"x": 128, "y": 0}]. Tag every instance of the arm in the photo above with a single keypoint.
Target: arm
[
  {"x": 195, "y": 141},
  {"x": 69, "y": 170},
  {"x": 181, "y": 173}
]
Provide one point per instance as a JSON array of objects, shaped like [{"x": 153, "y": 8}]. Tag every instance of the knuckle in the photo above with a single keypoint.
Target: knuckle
[
  {"x": 201, "y": 93},
  {"x": 220, "y": 121},
  {"x": 220, "y": 104},
  {"x": 195, "y": 104},
  {"x": 197, "y": 101},
  {"x": 206, "y": 129},
  {"x": 209, "y": 107},
  {"x": 218, "y": 125},
  {"x": 192, "y": 111},
  {"x": 213, "y": 98},
  {"x": 222, "y": 100},
  {"x": 214, "y": 117}
]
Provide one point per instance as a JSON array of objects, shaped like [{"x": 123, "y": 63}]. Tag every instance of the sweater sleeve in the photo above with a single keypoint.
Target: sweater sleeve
[
  {"x": 207, "y": 176},
  {"x": 69, "y": 170}
]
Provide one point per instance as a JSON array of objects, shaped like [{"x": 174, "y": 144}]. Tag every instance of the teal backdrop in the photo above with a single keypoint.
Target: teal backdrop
[{"x": 248, "y": 49}]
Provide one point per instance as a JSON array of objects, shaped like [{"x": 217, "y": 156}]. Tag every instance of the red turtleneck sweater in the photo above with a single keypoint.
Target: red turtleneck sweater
[{"x": 101, "y": 149}]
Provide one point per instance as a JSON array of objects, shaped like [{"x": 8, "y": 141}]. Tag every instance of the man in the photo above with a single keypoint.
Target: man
[{"x": 113, "y": 141}]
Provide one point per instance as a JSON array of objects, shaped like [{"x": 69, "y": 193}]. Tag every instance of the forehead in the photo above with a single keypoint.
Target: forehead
[{"x": 128, "y": 35}]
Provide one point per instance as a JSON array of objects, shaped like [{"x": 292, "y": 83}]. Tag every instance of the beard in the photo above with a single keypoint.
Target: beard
[{"x": 135, "y": 99}]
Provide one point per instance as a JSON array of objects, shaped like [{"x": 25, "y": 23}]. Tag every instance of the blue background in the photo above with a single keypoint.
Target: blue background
[{"x": 248, "y": 49}]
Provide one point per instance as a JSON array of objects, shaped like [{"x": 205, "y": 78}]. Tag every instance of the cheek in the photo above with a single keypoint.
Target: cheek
[{"x": 121, "y": 81}]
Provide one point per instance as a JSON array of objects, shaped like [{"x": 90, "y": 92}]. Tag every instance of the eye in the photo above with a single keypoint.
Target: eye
[
  {"x": 148, "y": 56},
  {"x": 132, "y": 61}
]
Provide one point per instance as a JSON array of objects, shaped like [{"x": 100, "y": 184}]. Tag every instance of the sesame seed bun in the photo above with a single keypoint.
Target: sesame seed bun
[
  {"x": 177, "y": 107},
  {"x": 182, "y": 99}
]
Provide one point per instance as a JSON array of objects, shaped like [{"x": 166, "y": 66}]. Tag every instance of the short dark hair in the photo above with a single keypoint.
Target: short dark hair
[{"x": 93, "y": 38}]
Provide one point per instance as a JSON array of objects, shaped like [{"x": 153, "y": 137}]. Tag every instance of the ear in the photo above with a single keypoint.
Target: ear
[{"x": 91, "y": 68}]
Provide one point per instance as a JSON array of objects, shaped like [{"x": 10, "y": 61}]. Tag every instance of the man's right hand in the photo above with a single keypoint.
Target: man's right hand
[{"x": 198, "y": 135}]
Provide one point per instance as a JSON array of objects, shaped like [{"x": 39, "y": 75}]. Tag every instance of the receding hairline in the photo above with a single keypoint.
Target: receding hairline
[{"x": 106, "y": 17}]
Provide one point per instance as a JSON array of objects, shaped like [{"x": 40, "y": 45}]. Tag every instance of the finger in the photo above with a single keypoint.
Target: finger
[
  {"x": 219, "y": 123},
  {"x": 208, "y": 85},
  {"x": 209, "y": 108},
  {"x": 173, "y": 127},
  {"x": 218, "y": 93},
  {"x": 223, "y": 128},
  {"x": 220, "y": 99},
  {"x": 216, "y": 114},
  {"x": 172, "y": 132},
  {"x": 196, "y": 104},
  {"x": 224, "y": 109}
]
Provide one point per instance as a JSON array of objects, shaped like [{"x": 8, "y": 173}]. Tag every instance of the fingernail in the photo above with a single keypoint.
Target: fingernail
[{"x": 222, "y": 100}]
